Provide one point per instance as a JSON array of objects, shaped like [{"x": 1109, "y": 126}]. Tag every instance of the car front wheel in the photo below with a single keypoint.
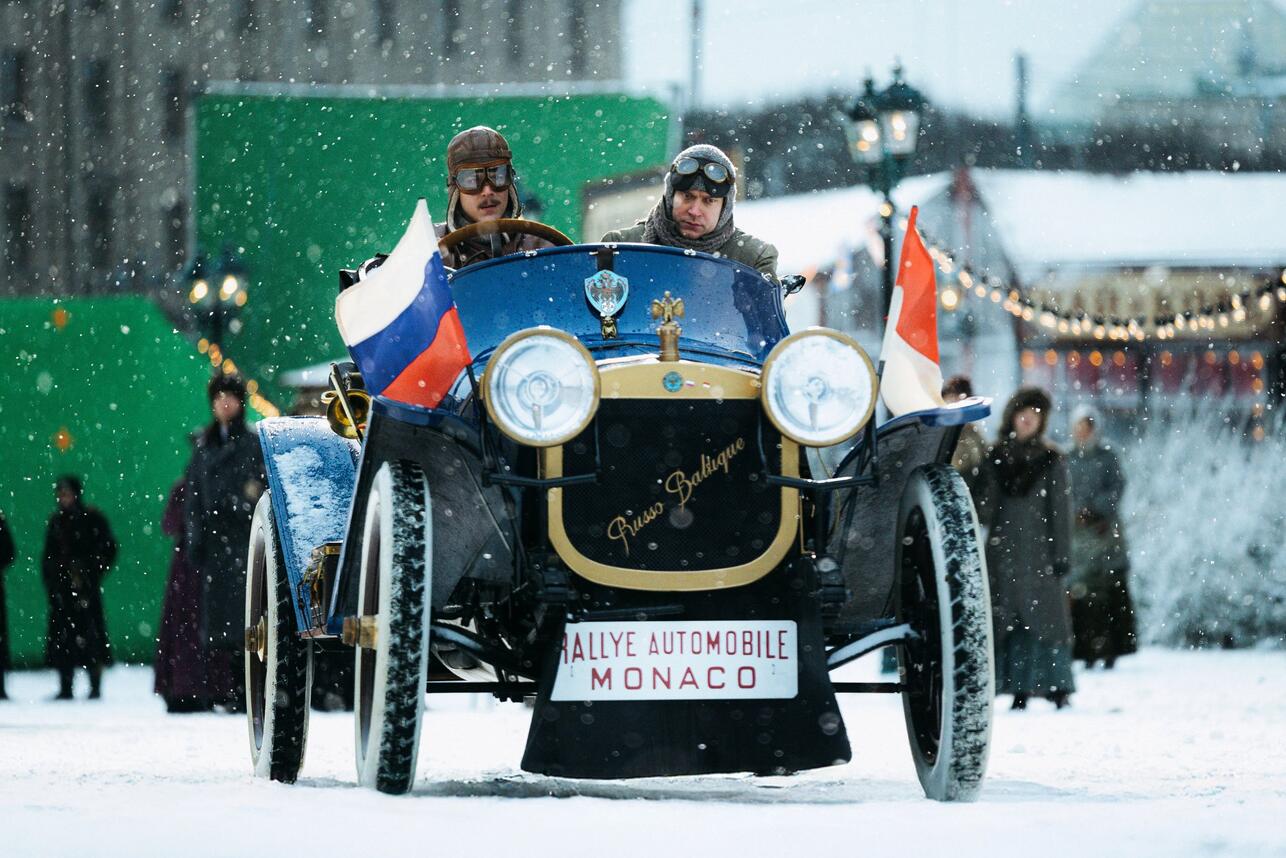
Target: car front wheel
[
  {"x": 278, "y": 663},
  {"x": 947, "y": 667},
  {"x": 393, "y": 645}
]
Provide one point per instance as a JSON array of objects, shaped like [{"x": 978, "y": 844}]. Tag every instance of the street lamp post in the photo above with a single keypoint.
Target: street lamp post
[
  {"x": 883, "y": 130},
  {"x": 216, "y": 292}
]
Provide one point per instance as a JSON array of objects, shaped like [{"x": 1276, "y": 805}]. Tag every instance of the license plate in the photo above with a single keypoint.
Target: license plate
[{"x": 701, "y": 660}]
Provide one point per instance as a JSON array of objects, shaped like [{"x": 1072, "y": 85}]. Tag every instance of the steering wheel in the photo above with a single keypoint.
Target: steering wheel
[{"x": 509, "y": 225}]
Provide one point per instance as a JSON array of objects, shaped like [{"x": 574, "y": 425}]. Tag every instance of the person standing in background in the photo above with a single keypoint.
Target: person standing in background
[
  {"x": 224, "y": 481},
  {"x": 1025, "y": 503},
  {"x": 1102, "y": 613},
  {"x": 8, "y": 553},
  {"x": 180, "y": 650},
  {"x": 79, "y": 549}
]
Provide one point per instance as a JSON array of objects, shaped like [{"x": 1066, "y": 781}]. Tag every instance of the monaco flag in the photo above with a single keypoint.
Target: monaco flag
[
  {"x": 912, "y": 379},
  {"x": 400, "y": 323}
]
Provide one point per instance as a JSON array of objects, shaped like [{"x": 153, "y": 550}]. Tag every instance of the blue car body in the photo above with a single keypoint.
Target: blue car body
[{"x": 490, "y": 519}]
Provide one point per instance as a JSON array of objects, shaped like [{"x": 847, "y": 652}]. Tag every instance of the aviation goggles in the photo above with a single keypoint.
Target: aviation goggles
[
  {"x": 470, "y": 180},
  {"x": 713, "y": 176}
]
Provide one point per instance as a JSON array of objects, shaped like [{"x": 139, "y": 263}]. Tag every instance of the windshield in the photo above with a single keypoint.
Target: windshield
[{"x": 728, "y": 307}]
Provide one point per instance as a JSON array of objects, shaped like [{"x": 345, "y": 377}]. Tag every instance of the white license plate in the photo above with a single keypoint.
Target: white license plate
[{"x": 701, "y": 660}]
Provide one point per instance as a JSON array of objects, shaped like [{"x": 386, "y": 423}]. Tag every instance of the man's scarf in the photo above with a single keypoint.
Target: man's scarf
[{"x": 660, "y": 228}]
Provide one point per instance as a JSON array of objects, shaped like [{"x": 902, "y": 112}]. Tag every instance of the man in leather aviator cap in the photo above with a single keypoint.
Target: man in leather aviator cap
[{"x": 481, "y": 187}]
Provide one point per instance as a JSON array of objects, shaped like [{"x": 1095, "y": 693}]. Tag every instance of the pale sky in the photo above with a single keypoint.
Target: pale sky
[{"x": 960, "y": 53}]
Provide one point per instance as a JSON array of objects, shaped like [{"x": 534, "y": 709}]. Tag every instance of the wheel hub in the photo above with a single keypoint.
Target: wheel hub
[{"x": 257, "y": 639}]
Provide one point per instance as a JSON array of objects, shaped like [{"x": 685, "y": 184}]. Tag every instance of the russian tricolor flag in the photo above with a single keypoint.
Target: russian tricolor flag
[
  {"x": 400, "y": 323},
  {"x": 912, "y": 377}
]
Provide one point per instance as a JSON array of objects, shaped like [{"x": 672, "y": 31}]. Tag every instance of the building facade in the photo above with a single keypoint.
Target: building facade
[
  {"x": 1214, "y": 68},
  {"x": 95, "y": 188},
  {"x": 1138, "y": 293}
]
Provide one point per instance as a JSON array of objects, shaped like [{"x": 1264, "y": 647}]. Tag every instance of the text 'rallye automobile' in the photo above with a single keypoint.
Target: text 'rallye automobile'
[{"x": 645, "y": 503}]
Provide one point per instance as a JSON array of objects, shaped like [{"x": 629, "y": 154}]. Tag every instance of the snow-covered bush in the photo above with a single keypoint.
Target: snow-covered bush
[{"x": 1206, "y": 525}]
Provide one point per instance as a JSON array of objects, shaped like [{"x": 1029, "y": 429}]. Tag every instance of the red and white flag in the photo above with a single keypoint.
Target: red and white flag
[{"x": 912, "y": 379}]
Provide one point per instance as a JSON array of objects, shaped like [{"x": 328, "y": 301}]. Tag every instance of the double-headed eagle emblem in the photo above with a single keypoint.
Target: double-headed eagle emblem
[{"x": 607, "y": 293}]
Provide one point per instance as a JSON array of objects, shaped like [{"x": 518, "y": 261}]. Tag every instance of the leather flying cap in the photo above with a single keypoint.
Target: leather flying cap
[{"x": 479, "y": 146}]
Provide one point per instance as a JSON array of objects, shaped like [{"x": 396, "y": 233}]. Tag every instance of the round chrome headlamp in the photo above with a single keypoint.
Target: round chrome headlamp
[
  {"x": 541, "y": 387},
  {"x": 818, "y": 387}
]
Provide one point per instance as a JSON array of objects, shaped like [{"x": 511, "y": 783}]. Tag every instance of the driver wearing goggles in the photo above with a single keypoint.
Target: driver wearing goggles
[
  {"x": 695, "y": 213},
  {"x": 481, "y": 187}
]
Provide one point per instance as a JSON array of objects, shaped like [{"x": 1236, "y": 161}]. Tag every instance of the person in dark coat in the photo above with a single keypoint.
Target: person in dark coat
[
  {"x": 8, "y": 553},
  {"x": 180, "y": 649},
  {"x": 1102, "y": 612},
  {"x": 695, "y": 212},
  {"x": 224, "y": 479},
  {"x": 79, "y": 549},
  {"x": 1025, "y": 503}
]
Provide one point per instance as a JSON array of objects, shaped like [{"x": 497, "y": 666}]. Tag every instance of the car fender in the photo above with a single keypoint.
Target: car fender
[{"x": 311, "y": 474}]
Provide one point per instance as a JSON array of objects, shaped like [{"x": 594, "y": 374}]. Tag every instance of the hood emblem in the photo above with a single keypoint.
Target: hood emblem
[{"x": 607, "y": 293}]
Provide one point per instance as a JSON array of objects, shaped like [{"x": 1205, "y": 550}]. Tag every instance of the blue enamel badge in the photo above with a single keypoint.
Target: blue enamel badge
[{"x": 673, "y": 382}]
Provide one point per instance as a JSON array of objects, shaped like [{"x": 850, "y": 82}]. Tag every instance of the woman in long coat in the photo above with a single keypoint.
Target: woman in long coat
[
  {"x": 1102, "y": 613},
  {"x": 225, "y": 480},
  {"x": 79, "y": 549},
  {"x": 180, "y": 650},
  {"x": 1024, "y": 501}
]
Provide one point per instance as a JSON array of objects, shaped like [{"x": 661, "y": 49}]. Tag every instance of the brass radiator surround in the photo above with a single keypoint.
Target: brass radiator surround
[{"x": 657, "y": 381}]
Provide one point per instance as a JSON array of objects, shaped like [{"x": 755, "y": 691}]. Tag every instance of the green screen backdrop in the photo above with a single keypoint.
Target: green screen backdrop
[
  {"x": 107, "y": 390},
  {"x": 301, "y": 187}
]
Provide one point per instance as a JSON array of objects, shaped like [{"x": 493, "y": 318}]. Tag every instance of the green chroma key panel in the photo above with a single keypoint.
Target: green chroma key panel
[
  {"x": 104, "y": 388},
  {"x": 303, "y": 186}
]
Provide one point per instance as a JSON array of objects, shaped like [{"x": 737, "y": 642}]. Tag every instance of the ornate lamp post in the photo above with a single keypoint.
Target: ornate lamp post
[
  {"x": 883, "y": 131},
  {"x": 216, "y": 292}
]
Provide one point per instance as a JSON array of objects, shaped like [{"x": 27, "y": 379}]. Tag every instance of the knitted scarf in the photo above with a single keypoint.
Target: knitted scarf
[{"x": 660, "y": 228}]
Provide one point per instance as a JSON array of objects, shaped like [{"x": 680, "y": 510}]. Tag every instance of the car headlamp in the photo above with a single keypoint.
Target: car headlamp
[
  {"x": 818, "y": 387},
  {"x": 541, "y": 387}
]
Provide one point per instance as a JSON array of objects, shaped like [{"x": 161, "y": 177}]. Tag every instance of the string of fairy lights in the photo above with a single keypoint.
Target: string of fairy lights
[
  {"x": 1211, "y": 317},
  {"x": 966, "y": 282}
]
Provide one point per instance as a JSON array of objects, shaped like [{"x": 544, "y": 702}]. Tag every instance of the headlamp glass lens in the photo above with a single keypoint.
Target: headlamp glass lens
[
  {"x": 819, "y": 389},
  {"x": 541, "y": 390}
]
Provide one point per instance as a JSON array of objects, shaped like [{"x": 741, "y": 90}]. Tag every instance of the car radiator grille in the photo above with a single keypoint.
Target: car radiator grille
[{"x": 681, "y": 486}]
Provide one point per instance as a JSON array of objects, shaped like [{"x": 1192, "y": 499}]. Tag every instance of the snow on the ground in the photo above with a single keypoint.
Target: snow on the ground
[{"x": 1173, "y": 753}]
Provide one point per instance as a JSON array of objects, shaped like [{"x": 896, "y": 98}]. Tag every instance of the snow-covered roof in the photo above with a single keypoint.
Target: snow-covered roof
[
  {"x": 813, "y": 230},
  {"x": 1049, "y": 220}
]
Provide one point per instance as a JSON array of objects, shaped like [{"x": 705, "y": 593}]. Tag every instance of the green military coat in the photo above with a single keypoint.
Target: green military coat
[{"x": 742, "y": 247}]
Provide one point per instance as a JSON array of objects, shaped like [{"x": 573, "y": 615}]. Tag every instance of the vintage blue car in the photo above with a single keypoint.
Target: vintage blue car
[{"x": 647, "y": 505}]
